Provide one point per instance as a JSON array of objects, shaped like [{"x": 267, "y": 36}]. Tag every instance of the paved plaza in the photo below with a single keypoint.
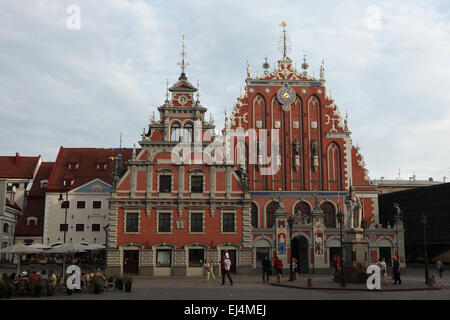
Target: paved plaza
[{"x": 252, "y": 288}]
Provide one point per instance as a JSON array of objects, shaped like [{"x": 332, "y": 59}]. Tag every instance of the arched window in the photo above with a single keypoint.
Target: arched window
[
  {"x": 254, "y": 210},
  {"x": 175, "y": 132},
  {"x": 330, "y": 214},
  {"x": 270, "y": 214},
  {"x": 333, "y": 166},
  {"x": 5, "y": 228},
  {"x": 303, "y": 210},
  {"x": 188, "y": 133}
]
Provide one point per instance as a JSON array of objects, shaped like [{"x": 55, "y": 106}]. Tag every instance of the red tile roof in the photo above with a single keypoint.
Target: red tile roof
[
  {"x": 35, "y": 205},
  {"x": 88, "y": 158},
  {"x": 18, "y": 167}
]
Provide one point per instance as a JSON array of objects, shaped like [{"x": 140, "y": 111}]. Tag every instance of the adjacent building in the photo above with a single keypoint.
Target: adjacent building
[
  {"x": 434, "y": 202},
  {"x": 17, "y": 174},
  {"x": 394, "y": 185},
  {"x": 30, "y": 228},
  {"x": 77, "y": 193}
]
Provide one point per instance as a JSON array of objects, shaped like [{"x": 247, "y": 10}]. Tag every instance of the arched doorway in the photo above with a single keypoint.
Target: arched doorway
[{"x": 300, "y": 250}]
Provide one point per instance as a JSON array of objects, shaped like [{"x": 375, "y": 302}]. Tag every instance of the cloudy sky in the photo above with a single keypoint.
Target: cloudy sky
[{"x": 387, "y": 64}]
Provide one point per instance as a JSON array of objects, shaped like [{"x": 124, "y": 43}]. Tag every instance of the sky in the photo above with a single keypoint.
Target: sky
[{"x": 78, "y": 73}]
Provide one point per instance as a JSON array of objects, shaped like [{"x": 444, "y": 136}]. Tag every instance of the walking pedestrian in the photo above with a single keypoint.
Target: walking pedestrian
[
  {"x": 295, "y": 268},
  {"x": 267, "y": 269},
  {"x": 264, "y": 268},
  {"x": 211, "y": 273},
  {"x": 208, "y": 267},
  {"x": 382, "y": 270},
  {"x": 440, "y": 267},
  {"x": 226, "y": 266},
  {"x": 278, "y": 264},
  {"x": 396, "y": 271}
]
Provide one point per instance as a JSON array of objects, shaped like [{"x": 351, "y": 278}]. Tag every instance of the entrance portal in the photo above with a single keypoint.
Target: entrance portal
[
  {"x": 300, "y": 250},
  {"x": 131, "y": 261}
]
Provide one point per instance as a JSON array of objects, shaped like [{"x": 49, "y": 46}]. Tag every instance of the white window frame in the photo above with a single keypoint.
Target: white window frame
[{"x": 157, "y": 221}]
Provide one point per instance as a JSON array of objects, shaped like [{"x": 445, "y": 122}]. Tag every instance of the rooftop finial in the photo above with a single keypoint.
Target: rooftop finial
[
  {"x": 266, "y": 65},
  {"x": 284, "y": 41},
  {"x": 198, "y": 91},
  {"x": 167, "y": 90},
  {"x": 183, "y": 64},
  {"x": 305, "y": 66},
  {"x": 322, "y": 71}
]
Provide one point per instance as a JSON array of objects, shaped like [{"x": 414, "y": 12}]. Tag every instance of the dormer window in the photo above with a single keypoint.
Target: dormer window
[
  {"x": 102, "y": 163},
  {"x": 68, "y": 182},
  {"x": 32, "y": 221},
  {"x": 101, "y": 166},
  {"x": 73, "y": 165},
  {"x": 44, "y": 184}
]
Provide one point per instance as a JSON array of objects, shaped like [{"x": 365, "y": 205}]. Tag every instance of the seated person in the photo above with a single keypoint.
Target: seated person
[
  {"x": 52, "y": 278},
  {"x": 44, "y": 275}
]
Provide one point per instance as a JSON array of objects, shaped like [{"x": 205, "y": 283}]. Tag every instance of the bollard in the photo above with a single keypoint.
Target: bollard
[
  {"x": 296, "y": 276},
  {"x": 309, "y": 283}
]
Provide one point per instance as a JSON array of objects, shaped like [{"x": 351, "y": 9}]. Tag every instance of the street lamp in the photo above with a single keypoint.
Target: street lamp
[
  {"x": 340, "y": 218},
  {"x": 290, "y": 221},
  {"x": 423, "y": 220},
  {"x": 61, "y": 200}
]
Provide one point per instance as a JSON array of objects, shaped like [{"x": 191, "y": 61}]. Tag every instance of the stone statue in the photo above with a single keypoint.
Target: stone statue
[
  {"x": 354, "y": 209},
  {"x": 398, "y": 213},
  {"x": 314, "y": 147},
  {"x": 249, "y": 72},
  {"x": 296, "y": 146}
]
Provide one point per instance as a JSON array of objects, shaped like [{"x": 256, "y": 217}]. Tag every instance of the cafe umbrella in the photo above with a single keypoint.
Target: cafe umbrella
[
  {"x": 20, "y": 249},
  {"x": 66, "y": 248}
]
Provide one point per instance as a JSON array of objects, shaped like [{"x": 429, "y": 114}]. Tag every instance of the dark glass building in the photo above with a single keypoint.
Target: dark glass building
[{"x": 434, "y": 201}]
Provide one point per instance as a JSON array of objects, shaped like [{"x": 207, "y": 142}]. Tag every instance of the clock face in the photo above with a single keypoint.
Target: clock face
[
  {"x": 286, "y": 96},
  {"x": 182, "y": 100}
]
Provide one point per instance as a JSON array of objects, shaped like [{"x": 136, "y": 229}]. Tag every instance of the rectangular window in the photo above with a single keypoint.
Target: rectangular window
[
  {"x": 196, "y": 222},
  {"x": 97, "y": 205},
  {"x": 164, "y": 222},
  {"x": 228, "y": 222},
  {"x": 63, "y": 227},
  {"x": 196, "y": 184},
  {"x": 65, "y": 205},
  {"x": 196, "y": 257},
  {"x": 79, "y": 227},
  {"x": 163, "y": 258},
  {"x": 165, "y": 183},
  {"x": 95, "y": 227},
  {"x": 81, "y": 204},
  {"x": 132, "y": 222}
]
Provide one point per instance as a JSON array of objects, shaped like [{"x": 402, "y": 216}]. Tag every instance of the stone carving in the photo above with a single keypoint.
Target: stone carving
[
  {"x": 315, "y": 157},
  {"x": 296, "y": 147},
  {"x": 398, "y": 213}
]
